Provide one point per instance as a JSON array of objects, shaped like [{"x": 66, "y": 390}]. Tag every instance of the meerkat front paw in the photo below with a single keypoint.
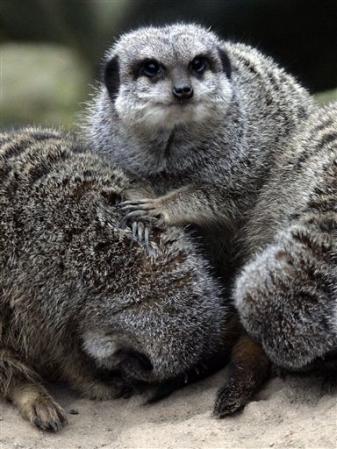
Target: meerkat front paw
[
  {"x": 40, "y": 409},
  {"x": 144, "y": 214},
  {"x": 148, "y": 210}
]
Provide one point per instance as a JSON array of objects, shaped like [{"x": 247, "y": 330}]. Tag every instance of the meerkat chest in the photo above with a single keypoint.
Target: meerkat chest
[
  {"x": 164, "y": 182},
  {"x": 177, "y": 175}
]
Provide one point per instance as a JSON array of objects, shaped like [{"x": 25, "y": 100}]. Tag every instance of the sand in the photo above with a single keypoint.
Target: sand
[{"x": 288, "y": 413}]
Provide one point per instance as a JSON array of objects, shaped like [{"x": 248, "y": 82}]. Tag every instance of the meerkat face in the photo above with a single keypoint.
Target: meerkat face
[
  {"x": 114, "y": 349},
  {"x": 163, "y": 77},
  {"x": 155, "y": 346},
  {"x": 151, "y": 344}
]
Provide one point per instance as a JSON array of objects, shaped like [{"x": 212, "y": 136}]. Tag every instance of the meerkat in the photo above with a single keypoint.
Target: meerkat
[
  {"x": 286, "y": 293},
  {"x": 200, "y": 122},
  {"x": 199, "y": 119},
  {"x": 82, "y": 301}
]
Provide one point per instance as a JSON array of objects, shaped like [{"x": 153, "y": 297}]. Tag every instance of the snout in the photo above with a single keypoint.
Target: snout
[
  {"x": 183, "y": 92},
  {"x": 134, "y": 365},
  {"x": 146, "y": 361},
  {"x": 117, "y": 351}
]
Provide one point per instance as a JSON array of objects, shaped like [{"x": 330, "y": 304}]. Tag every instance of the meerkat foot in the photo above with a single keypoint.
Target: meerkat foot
[
  {"x": 39, "y": 408},
  {"x": 249, "y": 369},
  {"x": 90, "y": 386},
  {"x": 102, "y": 391}
]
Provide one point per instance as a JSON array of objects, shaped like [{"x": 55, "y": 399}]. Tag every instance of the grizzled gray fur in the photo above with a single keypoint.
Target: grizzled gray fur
[
  {"x": 286, "y": 293},
  {"x": 78, "y": 295}
]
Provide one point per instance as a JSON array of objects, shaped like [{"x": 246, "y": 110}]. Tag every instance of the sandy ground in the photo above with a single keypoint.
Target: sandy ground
[{"x": 290, "y": 413}]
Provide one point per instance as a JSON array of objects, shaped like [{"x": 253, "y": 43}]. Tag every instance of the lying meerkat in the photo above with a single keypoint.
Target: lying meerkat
[{"x": 80, "y": 298}]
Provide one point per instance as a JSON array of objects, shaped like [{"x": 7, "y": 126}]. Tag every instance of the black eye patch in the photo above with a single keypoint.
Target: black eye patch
[
  {"x": 199, "y": 65},
  {"x": 149, "y": 68}
]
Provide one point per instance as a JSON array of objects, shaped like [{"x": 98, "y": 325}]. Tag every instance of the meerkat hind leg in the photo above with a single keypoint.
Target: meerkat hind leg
[{"x": 93, "y": 386}]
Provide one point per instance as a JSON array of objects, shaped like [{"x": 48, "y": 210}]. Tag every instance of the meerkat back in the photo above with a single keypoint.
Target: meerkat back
[{"x": 290, "y": 278}]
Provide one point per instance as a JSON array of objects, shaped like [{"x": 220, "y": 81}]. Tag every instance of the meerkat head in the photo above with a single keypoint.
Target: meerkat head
[
  {"x": 166, "y": 76},
  {"x": 152, "y": 319}
]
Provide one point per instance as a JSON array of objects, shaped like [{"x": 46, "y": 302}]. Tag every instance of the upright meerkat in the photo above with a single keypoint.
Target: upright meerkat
[
  {"x": 201, "y": 121},
  {"x": 80, "y": 298}
]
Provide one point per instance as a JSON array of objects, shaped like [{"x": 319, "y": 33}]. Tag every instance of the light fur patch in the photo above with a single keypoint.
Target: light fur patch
[{"x": 99, "y": 345}]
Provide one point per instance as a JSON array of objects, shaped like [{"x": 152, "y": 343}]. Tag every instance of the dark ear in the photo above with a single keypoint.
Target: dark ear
[
  {"x": 226, "y": 64},
  {"x": 111, "y": 77}
]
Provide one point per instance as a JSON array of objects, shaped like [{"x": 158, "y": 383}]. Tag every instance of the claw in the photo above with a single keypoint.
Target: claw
[
  {"x": 134, "y": 229},
  {"x": 134, "y": 202},
  {"x": 152, "y": 251},
  {"x": 134, "y": 207},
  {"x": 141, "y": 234},
  {"x": 133, "y": 215},
  {"x": 140, "y": 231},
  {"x": 123, "y": 223},
  {"x": 146, "y": 236},
  {"x": 126, "y": 206}
]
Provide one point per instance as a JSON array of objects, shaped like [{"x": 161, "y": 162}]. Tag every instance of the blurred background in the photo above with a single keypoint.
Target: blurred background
[{"x": 50, "y": 50}]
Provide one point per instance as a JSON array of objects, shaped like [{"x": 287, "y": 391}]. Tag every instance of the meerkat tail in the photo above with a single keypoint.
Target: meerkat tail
[{"x": 248, "y": 371}]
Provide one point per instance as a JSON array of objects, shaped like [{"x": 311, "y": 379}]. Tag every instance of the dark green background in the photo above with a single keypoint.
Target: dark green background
[{"x": 50, "y": 49}]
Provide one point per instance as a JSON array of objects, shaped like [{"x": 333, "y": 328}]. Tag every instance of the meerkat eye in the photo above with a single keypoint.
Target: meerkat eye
[
  {"x": 150, "y": 68},
  {"x": 199, "y": 65}
]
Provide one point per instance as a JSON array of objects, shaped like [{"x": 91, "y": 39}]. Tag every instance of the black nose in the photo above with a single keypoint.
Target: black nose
[
  {"x": 183, "y": 92},
  {"x": 134, "y": 364}
]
